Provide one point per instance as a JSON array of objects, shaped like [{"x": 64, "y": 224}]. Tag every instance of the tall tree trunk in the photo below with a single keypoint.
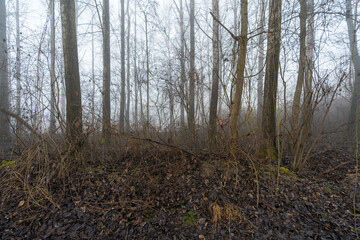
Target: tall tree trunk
[
  {"x": 106, "y": 131},
  {"x": 72, "y": 77},
  {"x": 307, "y": 112},
  {"x": 127, "y": 115},
  {"x": 215, "y": 74},
  {"x": 92, "y": 74},
  {"x": 355, "y": 97},
  {"x": 123, "y": 96},
  {"x": 301, "y": 73},
  {"x": 18, "y": 67},
  {"x": 147, "y": 78},
  {"x": 182, "y": 66},
  {"x": 191, "y": 116},
  {"x": 135, "y": 72},
  {"x": 260, "y": 85},
  {"x": 52, "y": 73},
  {"x": 4, "y": 84},
  {"x": 271, "y": 79},
  {"x": 240, "y": 71}
]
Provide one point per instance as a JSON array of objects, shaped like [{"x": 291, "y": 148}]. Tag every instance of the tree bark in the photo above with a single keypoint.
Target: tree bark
[
  {"x": 260, "y": 85},
  {"x": 355, "y": 97},
  {"x": 191, "y": 116},
  {"x": 215, "y": 75},
  {"x": 240, "y": 71},
  {"x": 72, "y": 77},
  {"x": 18, "y": 67},
  {"x": 4, "y": 83},
  {"x": 127, "y": 115},
  {"x": 271, "y": 80},
  {"x": 301, "y": 73},
  {"x": 123, "y": 94},
  {"x": 182, "y": 66},
  {"x": 52, "y": 73},
  {"x": 106, "y": 131}
]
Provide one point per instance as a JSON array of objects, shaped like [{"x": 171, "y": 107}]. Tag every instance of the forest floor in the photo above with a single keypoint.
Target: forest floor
[{"x": 160, "y": 193}]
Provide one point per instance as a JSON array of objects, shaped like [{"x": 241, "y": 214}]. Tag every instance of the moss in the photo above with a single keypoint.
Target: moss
[
  {"x": 6, "y": 163},
  {"x": 190, "y": 218}
]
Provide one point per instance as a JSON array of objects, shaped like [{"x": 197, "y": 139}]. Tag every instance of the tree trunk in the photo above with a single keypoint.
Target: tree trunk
[
  {"x": 127, "y": 115},
  {"x": 4, "y": 84},
  {"x": 300, "y": 79},
  {"x": 355, "y": 97},
  {"x": 215, "y": 74},
  {"x": 240, "y": 71},
  {"x": 52, "y": 73},
  {"x": 271, "y": 80},
  {"x": 182, "y": 66},
  {"x": 135, "y": 72},
  {"x": 18, "y": 67},
  {"x": 260, "y": 85},
  {"x": 72, "y": 77},
  {"x": 106, "y": 131},
  {"x": 191, "y": 116},
  {"x": 123, "y": 95},
  {"x": 147, "y": 79}
]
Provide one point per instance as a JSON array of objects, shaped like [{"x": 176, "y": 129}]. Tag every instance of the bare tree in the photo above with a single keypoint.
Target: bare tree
[
  {"x": 72, "y": 77},
  {"x": 215, "y": 74},
  {"x": 127, "y": 114},
  {"x": 106, "y": 72},
  {"x": 123, "y": 96},
  {"x": 4, "y": 84},
  {"x": 240, "y": 71},
  {"x": 18, "y": 66},
  {"x": 191, "y": 113},
  {"x": 301, "y": 73},
  {"x": 260, "y": 85},
  {"x": 271, "y": 79},
  {"x": 355, "y": 57},
  {"x": 182, "y": 65},
  {"x": 52, "y": 73}
]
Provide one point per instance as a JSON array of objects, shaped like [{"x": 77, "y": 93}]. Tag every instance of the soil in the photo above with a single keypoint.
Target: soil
[{"x": 163, "y": 193}]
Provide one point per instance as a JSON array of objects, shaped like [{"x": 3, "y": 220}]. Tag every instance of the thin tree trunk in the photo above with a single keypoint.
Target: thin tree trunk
[
  {"x": 72, "y": 77},
  {"x": 301, "y": 73},
  {"x": 147, "y": 78},
  {"x": 240, "y": 71},
  {"x": 260, "y": 85},
  {"x": 182, "y": 66},
  {"x": 123, "y": 94},
  {"x": 215, "y": 74},
  {"x": 52, "y": 73},
  {"x": 127, "y": 115},
  {"x": 92, "y": 74},
  {"x": 355, "y": 97},
  {"x": 191, "y": 116},
  {"x": 271, "y": 80},
  {"x": 18, "y": 67},
  {"x": 4, "y": 83},
  {"x": 106, "y": 130},
  {"x": 135, "y": 72}
]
